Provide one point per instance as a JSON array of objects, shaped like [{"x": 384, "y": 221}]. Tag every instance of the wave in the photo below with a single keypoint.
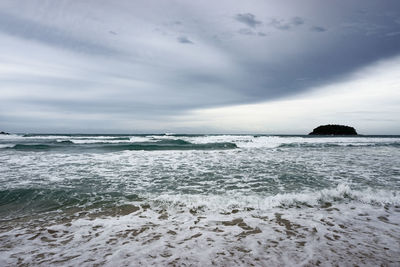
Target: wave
[
  {"x": 29, "y": 201},
  {"x": 341, "y": 194},
  {"x": 136, "y": 139},
  {"x": 65, "y": 141},
  {"x": 167, "y": 144},
  {"x": 293, "y": 145},
  {"x": 177, "y": 144},
  {"x": 99, "y": 141},
  {"x": 311, "y": 145},
  {"x": 6, "y": 145},
  {"x": 26, "y": 201},
  {"x": 271, "y": 142},
  {"x": 163, "y": 142},
  {"x": 31, "y": 147}
]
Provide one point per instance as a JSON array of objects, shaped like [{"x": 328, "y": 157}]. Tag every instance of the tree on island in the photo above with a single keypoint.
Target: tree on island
[{"x": 333, "y": 129}]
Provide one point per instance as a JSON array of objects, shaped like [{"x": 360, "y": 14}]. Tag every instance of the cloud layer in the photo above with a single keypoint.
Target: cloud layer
[
  {"x": 130, "y": 66},
  {"x": 248, "y": 19},
  {"x": 368, "y": 100}
]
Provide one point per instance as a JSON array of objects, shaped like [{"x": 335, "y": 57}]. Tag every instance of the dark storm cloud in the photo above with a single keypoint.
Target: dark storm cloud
[
  {"x": 248, "y": 19},
  {"x": 280, "y": 24},
  {"x": 92, "y": 57},
  {"x": 318, "y": 29},
  {"x": 393, "y": 33},
  {"x": 318, "y": 67},
  {"x": 184, "y": 40},
  {"x": 49, "y": 35},
  {"x": 283, "y": 24},
  {"x": 249, "y": 32},
  {"x": 297, "y": 21}
]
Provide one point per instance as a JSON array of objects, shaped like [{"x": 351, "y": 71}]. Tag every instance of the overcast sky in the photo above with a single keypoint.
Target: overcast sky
[{"x": 199, "y": 66}]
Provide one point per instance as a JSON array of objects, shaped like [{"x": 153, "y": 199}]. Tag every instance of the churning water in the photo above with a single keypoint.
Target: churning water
[{"x": 199, "y": 200}]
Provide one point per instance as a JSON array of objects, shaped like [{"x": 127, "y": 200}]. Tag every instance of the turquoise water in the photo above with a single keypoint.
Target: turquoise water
[{"x": 199, "y": 200}]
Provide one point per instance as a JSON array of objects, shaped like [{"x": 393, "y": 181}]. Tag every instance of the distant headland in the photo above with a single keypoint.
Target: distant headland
[
  {"x": 3, "y": 133},
  {"x": 334, "y": 129}
]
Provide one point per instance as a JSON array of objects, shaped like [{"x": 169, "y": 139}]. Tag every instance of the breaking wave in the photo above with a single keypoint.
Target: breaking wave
[{"x": 167, "y": 144}]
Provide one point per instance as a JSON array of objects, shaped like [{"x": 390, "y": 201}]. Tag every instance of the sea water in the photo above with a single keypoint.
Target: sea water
[{"x": 199, "y": 200}]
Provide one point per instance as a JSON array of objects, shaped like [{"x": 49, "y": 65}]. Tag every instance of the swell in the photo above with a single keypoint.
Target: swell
[
  {"x": 31, "y": 147},
  {"x": 169, "y": 145},
  {"x": 41, "y": 146},
  {"x": 177, "y": 144},
  {"x": 317, "y": 145},
  {"x": 22, "y": 202}
]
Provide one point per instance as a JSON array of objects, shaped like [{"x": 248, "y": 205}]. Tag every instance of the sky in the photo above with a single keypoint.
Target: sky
[{"x": 126, "y": 66}]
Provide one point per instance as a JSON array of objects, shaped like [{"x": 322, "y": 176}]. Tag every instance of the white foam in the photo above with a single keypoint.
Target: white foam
[
  {"x": 342, "y": 193},
  {"x": 222, "y": 220},
  {"x": 96, "y": 137},
  {"x": 138, "y": 139},
  {"x": 37, "y": 137},
  {"x": 354, "y": 233},
  {"x": 249, "y": 141},
  {"x": 7, "y": 137},
  {"x": 6, "y": 145},
  {"x": 59, "y": 137},
  {"x": 242, "y": 141},
  {"x": 95, "y": 141}
]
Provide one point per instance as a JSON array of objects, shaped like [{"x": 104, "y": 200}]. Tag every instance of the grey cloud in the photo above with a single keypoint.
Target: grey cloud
[
  {"x": 49, "y": 35},
  {"x": 393, "y": 33},
  {"x": 297, "y": 21},
  {"x": 367, "y": 27},
  {"x": 282, "y": 24},
  {"x": 173, "y": 24},
  {"x": 158, "y": 77},
  {"x": 246, "y": 31},
  {"x": 317, "y": 29},
  {"x": 279, "y": 24},
  {"x": 184, "y": 40},
  {"x": 248, "y": 19}
]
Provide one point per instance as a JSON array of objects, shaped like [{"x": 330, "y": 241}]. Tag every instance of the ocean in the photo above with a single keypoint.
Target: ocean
[{"x": 199, "y": 200}]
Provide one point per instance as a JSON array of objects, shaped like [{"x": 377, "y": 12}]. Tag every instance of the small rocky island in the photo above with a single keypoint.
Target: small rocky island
[
  {"x": 333, "y": 129},
  {"x": 3, "y": 133}
]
